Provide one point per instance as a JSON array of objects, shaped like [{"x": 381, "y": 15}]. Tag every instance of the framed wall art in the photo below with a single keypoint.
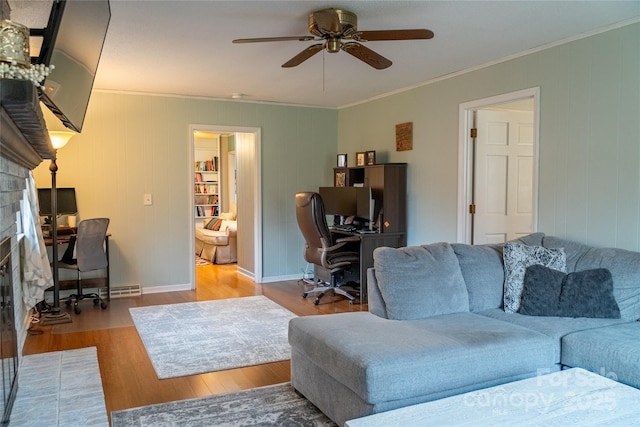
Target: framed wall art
[
  {"x": 342, "y": 160},
  {"x": 404, "y": 136},
  {"x": 360, "y": 159},
  {"x": 371, "y": 158}
]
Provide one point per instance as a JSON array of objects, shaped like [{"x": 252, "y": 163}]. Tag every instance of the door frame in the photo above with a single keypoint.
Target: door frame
[
  {"x": 256, "y": 275},
  {"x": 465, "y": 155}
]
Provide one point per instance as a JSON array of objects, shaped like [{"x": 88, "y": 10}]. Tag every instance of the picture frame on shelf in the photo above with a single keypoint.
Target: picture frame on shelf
[
  {"x": 360, "y": 158},
  {"x": 340, "y": 179},
  {"x": 342, "y": 160},
  {"x": 371, "y": 158}
]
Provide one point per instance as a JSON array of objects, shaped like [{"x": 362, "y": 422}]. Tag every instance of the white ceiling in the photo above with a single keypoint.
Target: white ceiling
[{"x": 183, "y": 47}]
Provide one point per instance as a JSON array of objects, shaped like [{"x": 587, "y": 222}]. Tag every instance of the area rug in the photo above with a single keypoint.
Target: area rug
[
  {"x": 276, "y": 405},
  {"x": 197, "y": 337},
  {"x": 201, "y": 261},
  {"x": 60, "y": 388}
]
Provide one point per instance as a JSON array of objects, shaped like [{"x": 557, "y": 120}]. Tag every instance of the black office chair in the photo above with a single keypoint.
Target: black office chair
[
  {"x": 328, "y": 255},
  {"x": 90, "y": 255}
]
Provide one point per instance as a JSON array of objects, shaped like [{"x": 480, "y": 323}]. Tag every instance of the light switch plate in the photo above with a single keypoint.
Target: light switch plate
[{"x": 147, "y": 200}]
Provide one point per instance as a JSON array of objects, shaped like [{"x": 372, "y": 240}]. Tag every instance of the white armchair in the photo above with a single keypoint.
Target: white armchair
[{"x": 218, "y": 245}]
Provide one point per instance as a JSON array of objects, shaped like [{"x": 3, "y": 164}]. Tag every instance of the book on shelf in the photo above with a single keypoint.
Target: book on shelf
[
  {"x": 207, "y": 165},
  {"x": 211, "y": 199}
]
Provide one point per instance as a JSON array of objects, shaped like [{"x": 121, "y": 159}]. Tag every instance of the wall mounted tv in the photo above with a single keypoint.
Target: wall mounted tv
[{"x": 72, "y": 42}]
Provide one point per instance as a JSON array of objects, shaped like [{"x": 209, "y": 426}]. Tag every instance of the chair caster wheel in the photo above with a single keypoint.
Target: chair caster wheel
[
  {"x": 103, "y": 305},
  {"x": 316, "y": 301},
  {"x": 305, "y": 295},
  {"x": 350, "y": 302},
  {"x": 77, "y": 310},
  {"x": 68, "y": 302},
  {"x": 96, "y": 301}
]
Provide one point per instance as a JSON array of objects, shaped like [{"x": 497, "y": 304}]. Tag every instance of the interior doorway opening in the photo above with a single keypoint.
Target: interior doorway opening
[
  {"x": 238, "y": 183},
  {"x": 498, "y": 167}
]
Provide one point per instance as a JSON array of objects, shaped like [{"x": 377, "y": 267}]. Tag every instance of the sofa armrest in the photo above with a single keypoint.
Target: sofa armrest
[
  {"x": 375, "y": 301},
  {"x": 230, "y": 227}
]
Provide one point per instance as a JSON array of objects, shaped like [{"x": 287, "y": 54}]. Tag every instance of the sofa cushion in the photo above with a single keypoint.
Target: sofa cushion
[
  {"x": 218, "y": 238},
  {"x": 624, "y": 266},
  {"x": 483, "y": 272},
  {"x": 610, "y": 351},
  {"x": 573, "y": 251},
  {"x": 517, "y": 257},
  {"x": 554, "y": 327},
  {"x": 420, "y": 281},
  {"x": 384, "y": 360}
]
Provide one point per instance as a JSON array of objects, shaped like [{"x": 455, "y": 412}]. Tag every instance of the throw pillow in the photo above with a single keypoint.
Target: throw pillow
[
  {"x": 541, "y": 291},
  {"x": 517, "y": 257},
  {"x": 213, "y": 224},
  {"x": 589, "y": 293},
  {"x": 420, "y": 281},
  {"x": 227, "y": 215}
]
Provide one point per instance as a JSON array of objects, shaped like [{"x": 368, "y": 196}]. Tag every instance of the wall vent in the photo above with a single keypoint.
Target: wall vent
[{"x": 122, "y": 291}]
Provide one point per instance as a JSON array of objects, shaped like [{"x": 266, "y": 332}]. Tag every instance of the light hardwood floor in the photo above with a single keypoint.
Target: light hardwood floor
[{"x": 128, "y": 377}]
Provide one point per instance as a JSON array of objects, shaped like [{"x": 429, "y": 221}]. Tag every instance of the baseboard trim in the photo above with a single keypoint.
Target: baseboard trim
[
  {"x": 281, "y": 278},
  {"x": 168, "y": 288}
]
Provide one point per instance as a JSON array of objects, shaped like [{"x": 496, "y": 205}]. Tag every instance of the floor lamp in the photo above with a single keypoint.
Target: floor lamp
[{"x": 58, "y": 139}]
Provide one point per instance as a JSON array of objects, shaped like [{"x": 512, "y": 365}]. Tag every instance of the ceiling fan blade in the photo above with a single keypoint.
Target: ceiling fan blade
[
  {"x": 328, "y": 20},
  {"x": 365, "y": 54},
  {"x": 274, "y": 39},
  {"x": 303, "y": 56},
  {"x": 381, "y": 35}
]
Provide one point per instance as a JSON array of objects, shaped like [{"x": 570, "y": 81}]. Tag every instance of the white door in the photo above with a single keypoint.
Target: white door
[{"x": 503, "y": 176}]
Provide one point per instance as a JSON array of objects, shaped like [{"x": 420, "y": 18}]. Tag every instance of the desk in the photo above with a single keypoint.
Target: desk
[
  {"x": 369, "y": 242},
  {"x": 63, "y": 240}
]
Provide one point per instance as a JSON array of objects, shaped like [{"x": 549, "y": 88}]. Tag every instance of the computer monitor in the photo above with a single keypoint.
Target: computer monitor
[
  {"x": 365, "y": 204},
  {"x": 66, "y": 202},
  {"x": 340, "y": 201}
]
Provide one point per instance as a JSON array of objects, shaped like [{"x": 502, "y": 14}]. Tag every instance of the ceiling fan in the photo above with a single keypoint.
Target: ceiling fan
[{"x": 338, "y": 30}]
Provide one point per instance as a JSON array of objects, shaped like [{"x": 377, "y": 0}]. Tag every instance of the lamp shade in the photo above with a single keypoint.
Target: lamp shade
[{"x": 60, "y": 138}]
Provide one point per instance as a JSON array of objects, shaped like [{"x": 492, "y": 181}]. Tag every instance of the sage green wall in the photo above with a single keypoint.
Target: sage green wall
[
  {"x": 589, "y": 186},
  {"x": 136, "y": 144}
]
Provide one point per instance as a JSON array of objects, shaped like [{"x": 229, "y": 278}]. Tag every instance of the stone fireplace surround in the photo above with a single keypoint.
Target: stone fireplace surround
[{"x": 24, "y": 144}]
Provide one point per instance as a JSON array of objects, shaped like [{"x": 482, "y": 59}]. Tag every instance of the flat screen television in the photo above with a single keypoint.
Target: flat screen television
[
  {"x": 72, "y": 43},
  {"x": 66, "y": 202}
]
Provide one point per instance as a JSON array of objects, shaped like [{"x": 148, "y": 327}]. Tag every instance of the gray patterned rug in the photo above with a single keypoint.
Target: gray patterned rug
[
  {"x": 198, "y": 337},
  {"x": 276, "y": 405}
]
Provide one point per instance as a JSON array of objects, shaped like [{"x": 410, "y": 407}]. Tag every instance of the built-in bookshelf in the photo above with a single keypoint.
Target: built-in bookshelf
[{"x": 207, "y": 188}]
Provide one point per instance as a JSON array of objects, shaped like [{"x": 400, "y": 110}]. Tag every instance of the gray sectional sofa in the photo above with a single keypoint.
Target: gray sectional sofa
[{"x": 437, "y": 325}]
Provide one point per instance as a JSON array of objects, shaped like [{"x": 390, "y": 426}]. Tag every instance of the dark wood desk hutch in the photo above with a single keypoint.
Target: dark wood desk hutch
[{"x": 388, "y": 182}]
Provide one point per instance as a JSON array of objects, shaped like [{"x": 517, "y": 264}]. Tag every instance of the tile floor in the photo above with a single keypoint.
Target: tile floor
[{"x": 61, "y": 388}]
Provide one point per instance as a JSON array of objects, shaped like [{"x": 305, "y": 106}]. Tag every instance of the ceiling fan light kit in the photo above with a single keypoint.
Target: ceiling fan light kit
[{"x": 337, "y": 29}]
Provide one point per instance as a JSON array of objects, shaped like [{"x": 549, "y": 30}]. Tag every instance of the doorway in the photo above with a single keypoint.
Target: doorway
[
  {"x": 246, "y": 147},
  {"x": 497, "y": 175}
]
